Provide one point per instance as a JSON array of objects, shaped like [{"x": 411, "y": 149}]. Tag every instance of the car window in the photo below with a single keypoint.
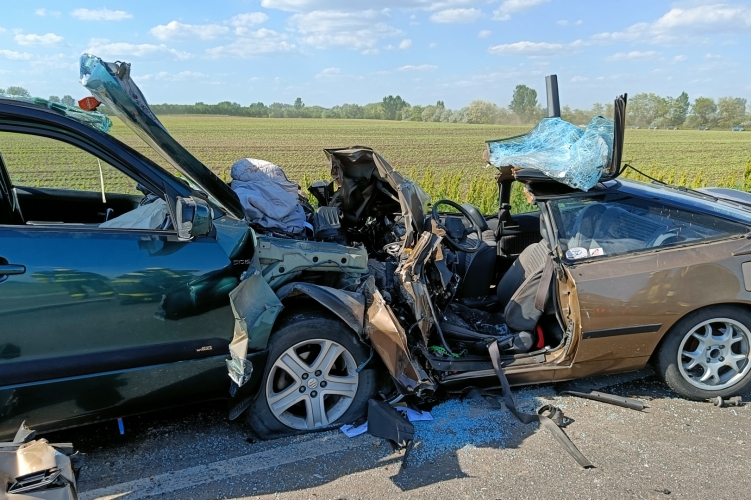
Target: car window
[
  {"x": 34, "y": 161},
  {"x": 58, "y": 183},
  {"x": 600, "y": 226}
]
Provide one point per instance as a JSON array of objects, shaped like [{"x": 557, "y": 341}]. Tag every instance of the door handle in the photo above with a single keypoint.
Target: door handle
[{"x": 8, "y": 269}]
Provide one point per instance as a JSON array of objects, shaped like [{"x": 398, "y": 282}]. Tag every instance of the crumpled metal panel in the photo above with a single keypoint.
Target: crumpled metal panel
[
  {"x": 348, "y": 306},
  {"x": 390, "y": 342},
  {"x": 255, "y": 306},
  {"x": 36, "y": 469}
]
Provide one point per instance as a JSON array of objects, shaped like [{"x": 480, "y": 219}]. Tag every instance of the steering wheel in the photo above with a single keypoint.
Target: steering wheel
[
  {"x": 661, "y": 238},
  {"x": 449, "y": 239}
]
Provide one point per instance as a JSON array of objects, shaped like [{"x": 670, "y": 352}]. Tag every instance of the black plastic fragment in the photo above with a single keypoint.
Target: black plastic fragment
[
  {"x": 387, "y": 423},
  {"x": 612, "y": 399}
]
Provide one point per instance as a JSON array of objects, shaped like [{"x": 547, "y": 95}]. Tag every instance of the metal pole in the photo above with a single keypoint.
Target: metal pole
[{"x": 554, "y": 105}]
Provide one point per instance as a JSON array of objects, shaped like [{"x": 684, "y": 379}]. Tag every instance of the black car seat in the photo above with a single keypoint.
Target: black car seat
[
  {"x": 10, "y": 210},
  {"x": 478, "y": 268},
  {"x": 585, "y": 225}
]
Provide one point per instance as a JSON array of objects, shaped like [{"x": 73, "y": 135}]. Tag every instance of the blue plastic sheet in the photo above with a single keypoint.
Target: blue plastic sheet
[
  {"x": 560, "y": 150},
  {"x": 93, "y": 119}
]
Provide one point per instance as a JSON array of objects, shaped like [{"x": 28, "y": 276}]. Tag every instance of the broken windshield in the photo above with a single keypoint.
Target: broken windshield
[{"x": 93, "y": 119}]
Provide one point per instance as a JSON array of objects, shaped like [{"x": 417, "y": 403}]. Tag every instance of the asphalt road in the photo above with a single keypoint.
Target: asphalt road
[{"x": 673, "y": 449}]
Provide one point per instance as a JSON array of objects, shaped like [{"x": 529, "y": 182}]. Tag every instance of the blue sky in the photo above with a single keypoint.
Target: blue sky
[{"x": 334, "y": 51}]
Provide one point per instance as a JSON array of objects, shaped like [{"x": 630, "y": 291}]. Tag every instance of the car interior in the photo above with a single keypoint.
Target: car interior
[{"x": 52, "y": 205}]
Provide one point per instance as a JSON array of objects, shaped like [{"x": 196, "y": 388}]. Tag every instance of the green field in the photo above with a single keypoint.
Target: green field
[{"x": 446, "y": 157}]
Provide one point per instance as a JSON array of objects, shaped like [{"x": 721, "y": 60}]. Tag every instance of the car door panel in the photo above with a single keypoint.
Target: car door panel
[
  {"x": 626, "y": 304},
  {"x": 73, "y": 401},
  {"x": 93, "y": 301}
]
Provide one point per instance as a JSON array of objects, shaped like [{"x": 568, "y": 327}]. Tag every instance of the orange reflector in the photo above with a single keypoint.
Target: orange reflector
[{"x": 88, "y": 104}]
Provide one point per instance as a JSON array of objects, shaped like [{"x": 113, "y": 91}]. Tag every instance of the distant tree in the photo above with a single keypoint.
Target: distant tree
[
  {"x": 703, "y": 112},
  {"x": 54, "y": 98},
  {"x": 646, "y": 109},
  {"x": 732, "y": 111},
  {"x": 524, "y": 102},
  {"x": 298, "y": 103},
  {"x": 373, "y": 111},
  {"x": 19, "y": 91},
  {"x": 481, "y": 112},
  {"x": 392, "y": 106},
  {"x": 440, "y": 104},
  {"x": 2, "y": 91},
  {"x": 678, "y": 110},
  {"x": 414, "y": 113},
  {"x": 68, "y": 101}
]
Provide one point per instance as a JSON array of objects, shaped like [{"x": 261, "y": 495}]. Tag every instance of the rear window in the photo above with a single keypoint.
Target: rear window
[{"x": 619, "y": 224}]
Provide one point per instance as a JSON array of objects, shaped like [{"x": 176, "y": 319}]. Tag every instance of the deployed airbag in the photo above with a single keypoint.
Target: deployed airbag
[
  {"x": 269, "y": 199},
  {"x": 149, "y": 216},
  {"x": 560, "y": 150}
]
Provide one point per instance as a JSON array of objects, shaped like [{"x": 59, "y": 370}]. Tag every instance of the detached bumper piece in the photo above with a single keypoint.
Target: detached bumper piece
[{"x": 35, "y": 469}]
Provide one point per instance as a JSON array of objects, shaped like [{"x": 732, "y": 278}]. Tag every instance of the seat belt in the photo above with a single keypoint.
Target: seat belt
[
  {"x": 544, "y": 286},
  {"x": 527, "y": 418}
]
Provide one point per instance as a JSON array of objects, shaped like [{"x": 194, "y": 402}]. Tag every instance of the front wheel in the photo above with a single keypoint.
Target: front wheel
[
  {"x": 311, "y": 381},
  {"x": 708, "y": 354}
]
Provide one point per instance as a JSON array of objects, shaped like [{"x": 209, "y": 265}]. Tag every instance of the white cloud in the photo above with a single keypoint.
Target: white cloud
[
  {"x": 56, "y": 61},
  {"x": 45, "y": 12},
  {"x": 173, "y": 77},
  {"x": 535, "y": 48},
  {"x": 579, "y": 22},
  {"x": 105, "y": 48},
  {"x": 254, "y": 43},
  {"x": 680, "y": 58},
  {"x": 176, "y": 30},
  {"x": 578, "y": 79},
  {"x": 562, "y": 22},
  {"x": 359, "y": 30},
  {"x": 634, "y": 55},
  {"x": 484, "y": 34},
  {"x": 101, "y": 15},
  {"x": 242, "y": 22},
  {"x": 456, "y": 16},
  {"x": 405, "y": 44},
  {"x": 420, "y": 68},
  {"x": 682, "y": 23},
  {"x": 508, "y": 7},
  {"x": 360, "y": 5},
  {"x": 31, "y": 39},
  {"x": 14, "y": 56},
  {"x": 329, "y": 73},
  {"x": 712, "y": 56},
  {"x": 433, "y": 45}
]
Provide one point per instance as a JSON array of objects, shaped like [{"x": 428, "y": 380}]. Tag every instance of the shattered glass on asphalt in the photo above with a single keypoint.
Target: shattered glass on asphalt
[{"x": 560, "y": 150}]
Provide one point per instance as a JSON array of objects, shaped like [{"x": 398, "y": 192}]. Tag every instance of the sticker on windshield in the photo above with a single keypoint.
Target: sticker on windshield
[
  {"x": 594, "y": 252},
  {"x": 577, "y": 253}
]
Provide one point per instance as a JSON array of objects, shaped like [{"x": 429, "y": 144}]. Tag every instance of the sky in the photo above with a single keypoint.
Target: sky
[{"x": 331, "y": 52}]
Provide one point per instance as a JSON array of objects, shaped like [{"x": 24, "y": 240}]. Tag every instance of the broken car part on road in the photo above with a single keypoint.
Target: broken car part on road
[{"x": 35, "y": 469}]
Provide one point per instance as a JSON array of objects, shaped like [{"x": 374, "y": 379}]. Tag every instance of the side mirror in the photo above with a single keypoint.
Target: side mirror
[{"x": 193, "y": 218}]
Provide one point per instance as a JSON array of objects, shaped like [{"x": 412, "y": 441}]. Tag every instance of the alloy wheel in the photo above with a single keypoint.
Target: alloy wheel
[
  {"x": 715, "y": 354},
  {"x": 312, "y": 384}
]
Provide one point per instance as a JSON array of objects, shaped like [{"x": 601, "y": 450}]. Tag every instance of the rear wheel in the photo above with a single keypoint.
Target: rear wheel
[
  {"x": 311, "y": 381},
  {"x": 708, "y": 354}
]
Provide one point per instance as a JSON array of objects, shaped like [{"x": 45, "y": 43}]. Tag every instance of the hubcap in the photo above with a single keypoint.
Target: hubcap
[
  {"x": 312, "y": 384},
  {"x": 715, "y": 354}
]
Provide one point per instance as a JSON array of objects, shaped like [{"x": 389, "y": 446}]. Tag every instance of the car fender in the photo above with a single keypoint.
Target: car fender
[{"x": 347, "y": 306}]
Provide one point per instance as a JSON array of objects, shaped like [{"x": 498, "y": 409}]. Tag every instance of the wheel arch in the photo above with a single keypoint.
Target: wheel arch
[{"x": 739, "y": 305}]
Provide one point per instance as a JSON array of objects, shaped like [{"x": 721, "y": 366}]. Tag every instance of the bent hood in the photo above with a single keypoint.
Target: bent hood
[{"x": 111, "y": 84}]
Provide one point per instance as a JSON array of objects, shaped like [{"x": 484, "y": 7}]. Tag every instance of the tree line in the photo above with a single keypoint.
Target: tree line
[{"x": 643, "y": 110}]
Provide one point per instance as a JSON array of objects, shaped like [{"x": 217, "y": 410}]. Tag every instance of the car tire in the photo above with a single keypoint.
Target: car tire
[
  {"x": 708, "y": 354},
  {"x": 296, "y": 371}
]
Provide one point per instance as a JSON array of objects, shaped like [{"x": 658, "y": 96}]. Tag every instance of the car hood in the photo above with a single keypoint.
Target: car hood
[{"x": 111, "y": 84}]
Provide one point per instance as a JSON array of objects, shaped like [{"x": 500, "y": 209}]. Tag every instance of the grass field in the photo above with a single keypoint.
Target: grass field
[{"x": 445, "y": 157}]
